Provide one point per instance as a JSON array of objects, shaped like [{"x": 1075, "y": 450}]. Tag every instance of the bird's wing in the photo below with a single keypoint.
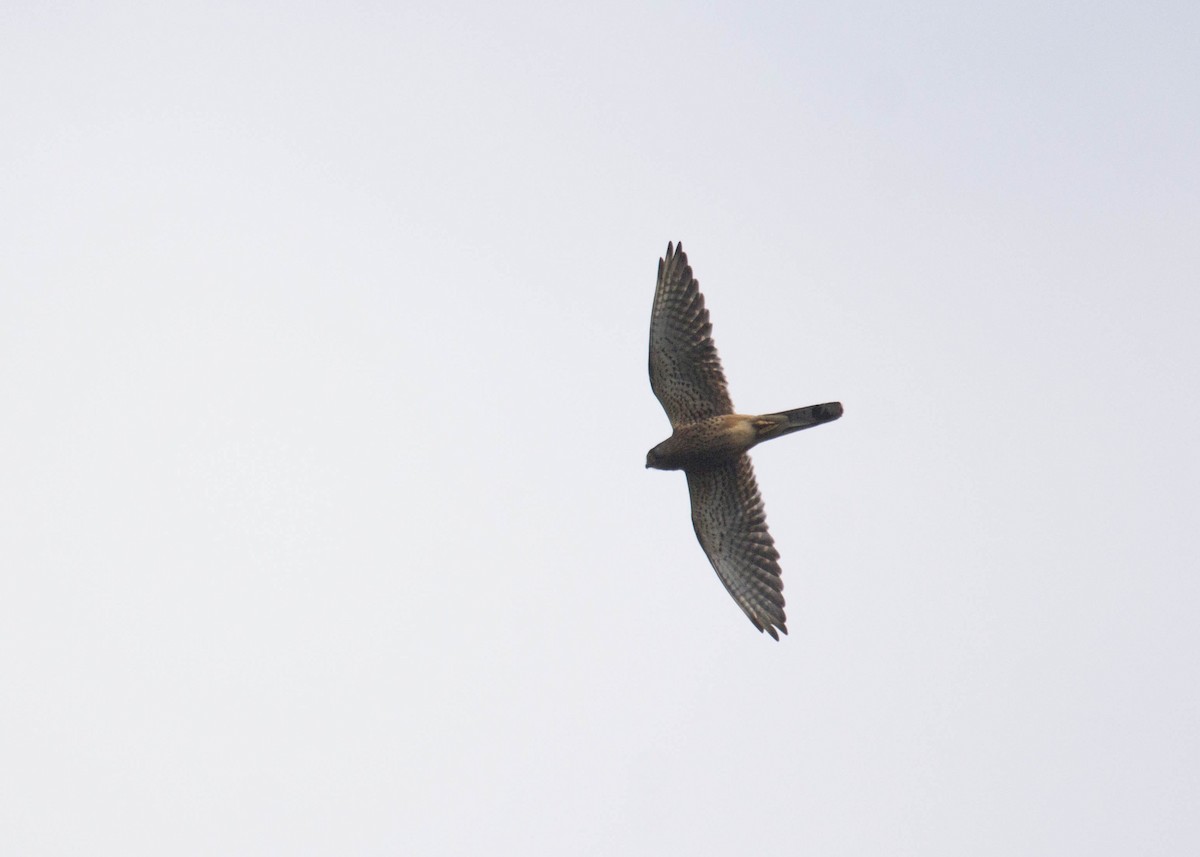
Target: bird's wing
[
  {"x": 731, "y": 525},
  {"x": 685, "y": 372}
]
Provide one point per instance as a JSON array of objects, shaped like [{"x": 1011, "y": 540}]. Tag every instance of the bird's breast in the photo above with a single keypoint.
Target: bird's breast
[{"x": 706, "y": 442}]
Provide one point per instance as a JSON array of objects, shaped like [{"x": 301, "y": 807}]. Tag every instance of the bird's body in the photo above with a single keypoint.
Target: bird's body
[
  {"x": 709, "y": 443},
  {"x": 698, "y": 443},
  {"x": 726, "y": 436}
]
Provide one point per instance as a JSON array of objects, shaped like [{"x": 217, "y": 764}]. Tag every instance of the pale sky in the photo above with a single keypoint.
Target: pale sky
[{"x": 323, "y": 516}]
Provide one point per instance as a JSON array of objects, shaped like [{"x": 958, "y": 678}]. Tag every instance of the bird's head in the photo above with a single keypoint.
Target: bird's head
[{"x": 660, "y": 457}]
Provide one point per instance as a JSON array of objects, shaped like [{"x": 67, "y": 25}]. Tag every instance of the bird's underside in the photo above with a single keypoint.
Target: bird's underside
[{"x": 709, "y": 443}]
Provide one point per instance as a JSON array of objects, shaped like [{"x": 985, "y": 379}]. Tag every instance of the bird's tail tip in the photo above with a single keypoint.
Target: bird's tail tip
[{"x": 831, "y": 410}]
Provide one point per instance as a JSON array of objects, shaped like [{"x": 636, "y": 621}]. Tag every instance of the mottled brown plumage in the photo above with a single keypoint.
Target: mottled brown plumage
[{"x": 709, "y": 443}]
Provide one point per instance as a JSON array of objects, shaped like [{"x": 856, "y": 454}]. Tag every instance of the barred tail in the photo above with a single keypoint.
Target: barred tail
[{"x": 786, "y": 422}]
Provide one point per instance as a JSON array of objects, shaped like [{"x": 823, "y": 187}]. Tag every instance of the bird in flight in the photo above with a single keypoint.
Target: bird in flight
[{"x": 709, "y": 443}]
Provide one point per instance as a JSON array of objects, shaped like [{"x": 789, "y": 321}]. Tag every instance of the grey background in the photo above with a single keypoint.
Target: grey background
[{"x": 323, "y": 519}]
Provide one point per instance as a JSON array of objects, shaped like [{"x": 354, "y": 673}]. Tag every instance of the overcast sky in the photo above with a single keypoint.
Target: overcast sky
[{"x": 323, "y": 516}]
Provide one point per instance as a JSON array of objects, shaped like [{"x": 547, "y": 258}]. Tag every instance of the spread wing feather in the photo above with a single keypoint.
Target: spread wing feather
[
  {"x": 685, "y": 371},
  {"x": 731, "y": 524}
]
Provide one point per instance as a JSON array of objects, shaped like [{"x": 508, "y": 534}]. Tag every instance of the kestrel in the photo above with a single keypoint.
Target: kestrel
[{"x": 709, "y": 443}]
